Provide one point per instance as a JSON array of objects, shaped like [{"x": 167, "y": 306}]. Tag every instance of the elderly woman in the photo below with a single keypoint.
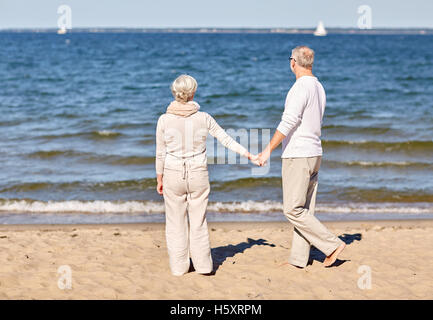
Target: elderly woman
[{"x": 182, "y": 176}]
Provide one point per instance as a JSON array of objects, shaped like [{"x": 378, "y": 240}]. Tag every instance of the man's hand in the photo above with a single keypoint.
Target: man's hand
[
  {"x": 253, "y": 158},
  {"x": 262, "y": 159},
  {"x": 159, "y": 184},
  {"x": 275, "y": 142}
]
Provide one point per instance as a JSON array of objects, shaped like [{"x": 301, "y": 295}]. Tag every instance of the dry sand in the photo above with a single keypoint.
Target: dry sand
[{"x": 130, "y": 262}]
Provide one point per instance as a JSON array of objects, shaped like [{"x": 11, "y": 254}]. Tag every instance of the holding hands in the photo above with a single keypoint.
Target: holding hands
[
  {"x": 263, "y": 158},
  {"x": 259, "y": 159}
]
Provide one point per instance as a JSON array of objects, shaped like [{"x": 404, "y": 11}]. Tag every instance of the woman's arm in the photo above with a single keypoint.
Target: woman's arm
[
  {"x": 219, "y": 133},
  {"x": 160, "y": 154}
]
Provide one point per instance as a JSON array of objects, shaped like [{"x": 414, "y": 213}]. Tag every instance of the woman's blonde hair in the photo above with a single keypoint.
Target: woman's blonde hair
[{"x": 183, "y": 88}]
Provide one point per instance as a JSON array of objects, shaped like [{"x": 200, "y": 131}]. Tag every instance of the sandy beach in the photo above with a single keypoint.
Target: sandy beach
[{"x": 130, "y": 262}]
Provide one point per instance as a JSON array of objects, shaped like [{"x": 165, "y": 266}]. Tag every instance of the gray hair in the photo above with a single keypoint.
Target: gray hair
[
  {"x": 304, "y": 56},
  {"x": 183, "y": 88}
]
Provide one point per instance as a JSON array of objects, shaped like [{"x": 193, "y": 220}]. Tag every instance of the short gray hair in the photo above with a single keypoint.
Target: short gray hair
[
  {"x": 304, "y": 56},
  {"x": 183, "y": 88}
]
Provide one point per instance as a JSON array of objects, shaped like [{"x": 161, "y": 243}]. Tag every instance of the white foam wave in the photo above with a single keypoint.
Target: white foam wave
[
  {"x": 377, "y": 208},
  {"x": 379, "y": 164},
  {"x": 275, "y": 206},
  {"x": 154, "y": 207},
  {"x": 245, "y": 206},
  {"x": 76, "y": 206},
  {"x": 107, "y": 133}
]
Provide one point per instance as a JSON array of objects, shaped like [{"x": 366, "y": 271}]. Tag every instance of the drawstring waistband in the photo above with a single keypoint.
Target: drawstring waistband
[
  {"x": 185, "y": 173},
  {"x": 187, "y": 157},
  {"x": 186, "y": 166},
  {"x": 184, "y": 170}
]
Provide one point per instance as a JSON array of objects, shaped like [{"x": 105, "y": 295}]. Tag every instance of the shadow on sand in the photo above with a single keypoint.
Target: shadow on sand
[
  {"x": 220, "y": 254},
  {"x": 317, "y": 255}
]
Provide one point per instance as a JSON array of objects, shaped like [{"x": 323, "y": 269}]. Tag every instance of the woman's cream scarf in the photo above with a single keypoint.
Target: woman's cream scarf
[{"x": 183, "y": 109}]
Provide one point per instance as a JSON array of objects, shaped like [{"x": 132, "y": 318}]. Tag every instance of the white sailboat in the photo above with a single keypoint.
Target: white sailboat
[
  {"x": 320, "y": 30},
  {"x": 61, "y": 31}
]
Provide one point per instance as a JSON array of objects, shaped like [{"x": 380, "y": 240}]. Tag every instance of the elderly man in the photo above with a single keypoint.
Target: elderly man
[{"x": 300, "y": 130}]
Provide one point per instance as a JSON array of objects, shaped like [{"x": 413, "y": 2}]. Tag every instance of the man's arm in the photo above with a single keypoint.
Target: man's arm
[
  {"x": 275, "y": 142},
  {"x": 221, "y": 135},
  {"x": 293, "y": 110}
]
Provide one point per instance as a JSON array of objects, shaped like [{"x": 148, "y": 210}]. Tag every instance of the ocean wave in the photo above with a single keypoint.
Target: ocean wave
[
  {"x": 407, "y": 146},
  {"x": 231, "y": 93},
  {"x": 67, "y": 115},
  {"x": 382, "y": 195},
  {"x": 390, "y": 208},
  {"x": 246, "y": 183},
  {"x": 229, "y": 115},
  {"x": 380, "y": 164},
  {"x": 49, "y": 154},
  {"x": 134, "y": 185},
  {"x": 93, "y": 135},
  {"x": 131, "y": 160},
  {"x": 359, "y": 130},
  {"x": 130, "y": 125},
  {"x": 12, "y": 122},
  {"x": 154, "y": 207},
  {"x": 414, "y": 78},
  {"x": 77, "y": 206},
  {"x": 257, "y": 185},
  {"x": 89, "y": 157},
  {"x": 147, "y": 142},
  {"x": 132, "y": 88},
  {"x": 105, "y": 133},
  {"x": 109, "y": 186}
]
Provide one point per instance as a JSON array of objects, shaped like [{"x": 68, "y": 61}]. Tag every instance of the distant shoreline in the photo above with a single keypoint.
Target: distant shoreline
[{"x": 379, "y": 31}]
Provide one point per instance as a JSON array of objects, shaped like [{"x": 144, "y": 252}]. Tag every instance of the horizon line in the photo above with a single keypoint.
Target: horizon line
[{"x": 291, "y": 30}]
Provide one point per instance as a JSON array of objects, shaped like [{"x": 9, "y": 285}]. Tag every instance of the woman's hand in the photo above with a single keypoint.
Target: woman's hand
[
  {"x": 159, "y": 184},
  {"x": 262, "y": 158},
  {"x": 253, "y": 158}
]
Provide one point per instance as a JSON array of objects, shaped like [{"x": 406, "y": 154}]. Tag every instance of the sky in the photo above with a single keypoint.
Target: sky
[{"x": 216, "y": 13}]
